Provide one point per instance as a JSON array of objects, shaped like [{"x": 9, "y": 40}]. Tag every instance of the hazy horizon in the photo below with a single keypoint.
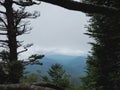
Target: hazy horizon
[{"x": 58, "y": 30}]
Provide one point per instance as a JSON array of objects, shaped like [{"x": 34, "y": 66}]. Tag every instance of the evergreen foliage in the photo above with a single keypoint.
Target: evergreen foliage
[
  {"x": 31, "y": 77},
  {"x": 12, "y": 25},
  {"x": 103, "y": 63},
  {"x": 58, "y": 76}
]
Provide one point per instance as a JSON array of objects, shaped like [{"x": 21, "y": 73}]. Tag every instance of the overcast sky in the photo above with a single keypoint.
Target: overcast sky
[{"x": 58, "y": 30}]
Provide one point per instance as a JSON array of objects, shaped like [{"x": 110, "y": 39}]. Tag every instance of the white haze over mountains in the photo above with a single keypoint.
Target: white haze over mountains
[
  {"x": 52, "y": 51},
  {"x": 57, "y": 31}
]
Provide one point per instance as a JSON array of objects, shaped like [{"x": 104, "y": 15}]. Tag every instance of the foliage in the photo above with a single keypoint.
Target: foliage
[
  {"x": 15, "y": 69},
  {"x": 13, "y": 23},
  {"x": 2, "y": 74},
  {"x": 30, "y": 77},
  {"x": 103, "y": 62},
  {"x": 58, "y": 76}
]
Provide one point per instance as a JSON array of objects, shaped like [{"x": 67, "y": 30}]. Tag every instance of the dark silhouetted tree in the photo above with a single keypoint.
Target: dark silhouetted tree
[
  {"x": 12, "y": 25},
  {"x": 104, "y": 62},
  {"x": 13, "y": 15},
  {"x": 58, "y": 76},
  {"x": 84, "y": 7}
]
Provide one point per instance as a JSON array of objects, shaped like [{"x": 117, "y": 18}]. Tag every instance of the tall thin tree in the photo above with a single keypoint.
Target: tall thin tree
[{"x": 12, "y": 24}]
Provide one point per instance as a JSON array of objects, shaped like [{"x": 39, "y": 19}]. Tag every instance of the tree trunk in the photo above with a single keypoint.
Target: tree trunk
[
  {"x": 13, "y": 76},
  {"x": 12, "y": 42}
]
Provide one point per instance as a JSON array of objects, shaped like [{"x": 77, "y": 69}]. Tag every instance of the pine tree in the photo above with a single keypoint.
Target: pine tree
[
  {"x": 103, "y": 63},
  {"x": 58, "y": 76},
  {"x": 12, "y": 25}
]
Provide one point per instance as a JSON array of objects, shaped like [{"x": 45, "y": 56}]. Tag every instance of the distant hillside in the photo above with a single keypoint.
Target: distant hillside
[{"x": 73, "y": 65}]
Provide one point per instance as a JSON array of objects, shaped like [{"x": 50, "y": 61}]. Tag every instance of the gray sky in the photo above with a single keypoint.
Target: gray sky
[{"x": 58, "y": 30}]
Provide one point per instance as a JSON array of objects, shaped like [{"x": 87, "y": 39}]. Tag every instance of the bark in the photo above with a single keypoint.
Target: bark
[
  {"x": 83, "y": 7},
  {"x": 11, "y": 31}
]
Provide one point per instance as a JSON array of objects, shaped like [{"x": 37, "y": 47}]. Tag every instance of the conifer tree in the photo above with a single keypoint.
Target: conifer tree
[
  {"x": 13, "y": 23},
  {"x": 103, "y": 63},
  {"x": 58, "y": 76}
]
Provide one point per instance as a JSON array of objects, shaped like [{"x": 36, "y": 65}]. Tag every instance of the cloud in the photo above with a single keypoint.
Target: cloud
[
  {"x": 57, "y": 31},
  {"x": 67, "y": 51},
  {"x": 51, "y": 51}
]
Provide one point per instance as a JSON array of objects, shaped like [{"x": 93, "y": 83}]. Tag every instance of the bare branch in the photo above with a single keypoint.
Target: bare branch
[
  {"x": 3, "y": 33},
  {"x": 19, "y": 43},
  {"x": 3, "y": 21},
  {"x": 4, "y": 41},
  {"x": 28, "y": 45},
  {"x": 1, "y": 3},
  {"x": 2, "y": 12},
  {"x": 2, "y": 29},
  {"x": 3, "y": 26},
  {"x": 21, "y": 14},
  {"x": 3, "y": 44},
  {"x": 23, "y": 51},
  {"x": 25, "y": 48},
  {"x": 22, "y": 30},
  {"x": 84, "y": 7}
]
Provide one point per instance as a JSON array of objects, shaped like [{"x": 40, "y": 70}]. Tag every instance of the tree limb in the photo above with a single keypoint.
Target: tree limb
[
  {"x": 1, "y": 3},
  {"x": 25, "y": 48},
  {"x": 2, "y": 12},
  {"x": 3, "y": 33},
  {"x": 28, "y": 3},
  {"x": 3, "y": 21},
  {"x": 4, "y": 41},
  {"x": 84, "y": 7},
  {"x": 23, "y": 51},
  {"x": 2, "y": 28}
]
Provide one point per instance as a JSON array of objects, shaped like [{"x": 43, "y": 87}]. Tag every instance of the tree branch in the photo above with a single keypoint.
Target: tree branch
[
  {"x": 84, "y": 7},
  {"x": 3, "y": 44},
  {"x": 2, "y": 28},
  {"x": 3, "y": 21},
  {"x": 28, "y": 3},
  {"x": 2, "y": 12},
  {"x": 25, "y": 48},
  {"x": 3, "y": 33},
  {"x": 23, "y": 51},
  {"x": 1, "y": 3},
  {"x": 33, "y": 59},
  {"x": 4, "y": 41}
]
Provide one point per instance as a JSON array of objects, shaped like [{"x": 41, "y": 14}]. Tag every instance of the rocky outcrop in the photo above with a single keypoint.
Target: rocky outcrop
[{"x": 34, "y": 86}]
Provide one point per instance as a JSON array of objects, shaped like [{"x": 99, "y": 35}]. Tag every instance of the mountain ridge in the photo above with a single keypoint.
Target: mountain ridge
[{"x": 75, "y": 66}]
